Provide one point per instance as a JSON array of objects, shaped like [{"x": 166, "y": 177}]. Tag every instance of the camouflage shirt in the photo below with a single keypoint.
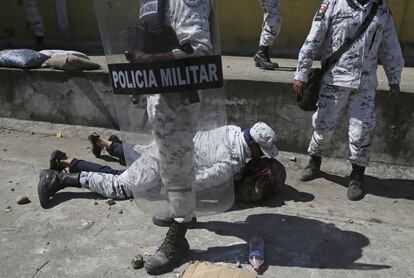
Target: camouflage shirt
[
  {"x": 338, "y": 20},
  {"x": 190, "y": 21}
]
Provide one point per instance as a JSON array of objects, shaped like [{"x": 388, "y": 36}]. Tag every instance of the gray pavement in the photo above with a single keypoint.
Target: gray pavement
[{"x": 310, "y": 230}]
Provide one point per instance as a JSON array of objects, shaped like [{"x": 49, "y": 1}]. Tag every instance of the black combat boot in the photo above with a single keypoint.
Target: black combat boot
[
  {"x": 51, "y": 181},
  {"x": 166, "y": 220},
  {"x": 355, "y": 187},
  {"x": 313, "y": 169},
  {"x": 174, "y": 248},
  {"x": 262, "y": 59}
]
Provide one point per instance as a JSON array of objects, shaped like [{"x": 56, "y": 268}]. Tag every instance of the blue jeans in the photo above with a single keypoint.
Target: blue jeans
[
  {"x": 116, "y": 150},
  {"x": 77, "y": 166}
]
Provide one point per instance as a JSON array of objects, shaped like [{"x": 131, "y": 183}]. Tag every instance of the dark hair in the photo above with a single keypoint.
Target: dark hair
[{"x": 266, "y": 185}]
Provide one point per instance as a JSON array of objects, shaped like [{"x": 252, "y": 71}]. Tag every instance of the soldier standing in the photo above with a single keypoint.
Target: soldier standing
[
  {"x": 272, "y": 23},
  {"x": 350, "y": 83},
  {"x": 35, "y": 21}
]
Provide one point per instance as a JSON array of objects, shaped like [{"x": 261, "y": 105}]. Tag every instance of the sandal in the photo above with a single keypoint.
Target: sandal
[
  {"x": 96, "y": 149},
  {"x": 54, "y": 162}
]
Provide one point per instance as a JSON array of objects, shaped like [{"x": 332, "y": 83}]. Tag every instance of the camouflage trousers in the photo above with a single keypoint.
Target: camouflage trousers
[
  {"x": 361, "y": 120},
  {"x": 272, "y": 21},
  {"x": 34, "y": 18},
  {"x": 173, "y": 119},
  {"x": 108, "y": 185}
]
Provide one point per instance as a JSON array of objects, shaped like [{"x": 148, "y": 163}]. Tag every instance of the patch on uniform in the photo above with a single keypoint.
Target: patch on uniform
[
  {"x": 344, "y": 15},
  {"x": 322, "y": 11},
  {"x": 192, "y": 3}
]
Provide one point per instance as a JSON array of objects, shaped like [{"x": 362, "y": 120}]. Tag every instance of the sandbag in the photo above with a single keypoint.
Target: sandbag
[
  {"x": 56, "y": 52},
  {"x": 21, "y": 58},
  {"x": 71, "y": 63}
]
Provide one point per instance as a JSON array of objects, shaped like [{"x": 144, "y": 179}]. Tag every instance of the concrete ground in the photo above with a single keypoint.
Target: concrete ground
[{"x": 310, "y": 229}]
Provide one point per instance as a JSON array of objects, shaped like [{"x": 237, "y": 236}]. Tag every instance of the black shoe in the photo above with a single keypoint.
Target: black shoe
[
  {"x": 356, "y": 185},
  {"x": 54, "y": 162},
  {"x": 115, "y": 139},
  {"x": 96, "y": 149},
  {"x": 262, "y": 59},
  {"x": 166, "y": 220},
  {"x": 172, "y": 251},
  {"x": 51, "y": 181},
  {"x": 312, "y": 170}
]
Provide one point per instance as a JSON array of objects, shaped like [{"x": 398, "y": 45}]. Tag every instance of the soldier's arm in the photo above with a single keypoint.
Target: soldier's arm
[
  {"x": 193, "y": 31},
  {"x": 315, "y": 39},
  {"x": 390, "y": 53},
  {"x": 219, "y": 173}
]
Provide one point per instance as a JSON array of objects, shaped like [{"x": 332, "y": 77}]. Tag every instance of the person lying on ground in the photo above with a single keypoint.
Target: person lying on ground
[{"x": 213, "y": 168}]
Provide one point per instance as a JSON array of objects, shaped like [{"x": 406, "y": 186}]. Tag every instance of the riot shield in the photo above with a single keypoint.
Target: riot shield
[{"x": 165, "y": 68}]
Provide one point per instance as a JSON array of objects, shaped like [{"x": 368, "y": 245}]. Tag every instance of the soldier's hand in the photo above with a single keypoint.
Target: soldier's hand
[
  {"x": 135, "y": 56},
  {"x": 298, "y": 87},
  {"x": 394, "y": 89}
]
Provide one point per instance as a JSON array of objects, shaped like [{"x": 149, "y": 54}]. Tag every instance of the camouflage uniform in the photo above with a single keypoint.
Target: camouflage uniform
[
  {"x": 34, "y": 18},
  {"x": 171, "y": 115},
  {"x": 352, "y": 81},
  {"x": 272, "y": 21},
  {"x": 212, "y": 168}
]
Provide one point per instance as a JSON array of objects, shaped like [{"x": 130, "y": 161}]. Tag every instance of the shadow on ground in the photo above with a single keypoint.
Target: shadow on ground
[
  {"x": 388, "y": 188},
  {"x": 290, "y": 69},
  {"x": 286, "y": 193},
  {"x": 290, "y": 241},
  {"x": 62, "y": 197}
]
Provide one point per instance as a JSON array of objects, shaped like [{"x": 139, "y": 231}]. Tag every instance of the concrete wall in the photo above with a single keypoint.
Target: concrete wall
[
  {"x": 86, "y": 99},
  {"x": 240, "y": 24}
]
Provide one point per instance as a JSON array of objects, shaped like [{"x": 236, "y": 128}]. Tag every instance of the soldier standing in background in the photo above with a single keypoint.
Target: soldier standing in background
[
  {"x": 352, "y": 81},
  {"x": 35, "y": 21},
  {"x": 272, "y": 23}
]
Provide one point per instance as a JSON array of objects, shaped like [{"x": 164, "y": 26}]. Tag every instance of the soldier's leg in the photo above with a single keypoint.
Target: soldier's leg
[
  {"x": 172, "y": 118},
  {"x": 141, "y": 175},
  {"x": 34, "y": 18},
  {"x": 332, "y": 100},
  {"x": 272, "y": 23},
  {"x": 361, "y": 120},
  {"x": 108, "y": 185},
  {"x": 174, "y": 129}
]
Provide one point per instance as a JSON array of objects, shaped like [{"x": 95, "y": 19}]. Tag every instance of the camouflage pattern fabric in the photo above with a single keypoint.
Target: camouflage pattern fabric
[
  {"x": 34, "y": 18},
  {"x": 272, "y": 21},
  {"x": 171, "y": 118},
  {"x": 213, "y": 168},
  {"x": 352, "y": 81},
  {"x": 361, "y": 120},
  {"x": 108, "y": 185},
  {"x": 336, "y": 21},
  {"x": 190, "y": 21}
]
